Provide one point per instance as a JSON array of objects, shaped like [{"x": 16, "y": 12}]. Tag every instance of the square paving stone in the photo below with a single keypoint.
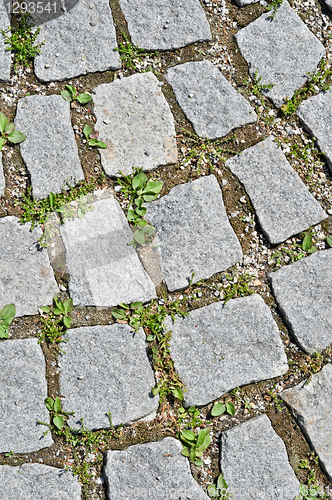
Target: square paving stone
[
  {"x": 255, "y": 464},
  {"x": 311, "y": 404},
  {"x": 2, "y": 180},
  {"x": 5, "y": 54},
  {"x": 104, "y": 269},
  {"x": 208, "y": 100},
  {"x": 282, "y": 203},
  {"x": 165, "y": 24},
  {"x": 106, "y": 369},
  {"x": 217, "y": 348},
  {"x": 26, "y": 276},
  {"x": 136, "y": 123},
  {"x": 282, "y": 50},
  {"x": 50, "y": 151},
  {"x": 151, "y": 471},
  {"x": 194, "y": 232},
  {"x": 303, "y": 291},
  {"x": 23, "y": 389}
]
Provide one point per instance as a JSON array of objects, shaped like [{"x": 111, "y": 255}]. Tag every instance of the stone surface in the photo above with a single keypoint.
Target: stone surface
[
  {"x": 106, "y": 369},
  {"x": 151, "y": 471},
  {"x": 303, "y": 291},
  {"x": 194, "y": 232},
  {"x": 2, "y": 179},
  {"x": 103, "y": 269},
  {"x": 328, "y": 3},
  {"x": 282, "y": 202},
  {"x": 243, "y": 3},
  {"x": 80, "y": 41},
  {"x": 217, "y": 348},
  {"x": 254, "y": 462},
  {"x": 50, "y": 151},
  {"x": 136, "y": 123},
  {"x": 38, "y": 482},
  {"x": 23, "y": 390},
  {"x": 311, "y": 403},
  {"x": 282, "y": 50},
  {"x": 26, "y": 277},
  {"x": 5, "y": 55},
  {"x": 208, "y": 100},
  {"x": 165, "y": 24}
]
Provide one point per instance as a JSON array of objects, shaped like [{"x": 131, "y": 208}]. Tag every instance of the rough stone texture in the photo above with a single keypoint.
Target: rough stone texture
[
  {"x": 103, "y": 269},
  {"x": 282, "y": 50},
  {"x": 311, "y": 403},
  {"x": 80, "y": 41},
  {"x": 255, "y": 464},
  {"x": 26, "y": 277},
  {"x": 50, "y": 151},
  {"x": 194, "y": 232},
  {"x": 135, "y": 121},
  {"x": 153, "y": 471},
  {"x": 165, "y": 24},
  {"x": 38, "y": 482},
  {"x": 303, "y": 291},
  {"x": 5, "y": 55},
  {"x": 2, "y": 179},
  {"x": 217, "y": 348},
  {"x": 208, "y": 100},
  {"x": 23, "y": 390},
  {"x": 243, "y": 3},
  {"x": 282, "y": 202},
  {"x": 328, "y": 3}
]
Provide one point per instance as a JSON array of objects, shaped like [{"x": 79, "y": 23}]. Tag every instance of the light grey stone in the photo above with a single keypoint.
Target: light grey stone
[
  {"x": 23, "y": 390},
  {"x": 254, "y": 462},
  {"x": 194, "y": 232},
  {"x": 282, "y": 50},
  {"x": 106, "y": 369},
  {"x": 38, "y": 482},
  {"x": 50, "y": 151},
  {"x": 311, "y": 403},
  {"x": 217, "y": 348},
  {"x": 103, "y": 268},
  {"x": 165, "y": 24},
  {"x": 243, "y": 3},
  {"x": 2, "y": 179},
  {"x": 76, "y": 45},
  {"x": 282, "y": 202},
  {"x": 303, "y": 291},
  {"x": 5, "y": 55},
  {"x": 208, "y": 100},
  {"x": 328, "y": 3},
  {"x": 139, "y": 129},
  {"x": 153, "y": 471},
  {"x": 26, "y": 277}
]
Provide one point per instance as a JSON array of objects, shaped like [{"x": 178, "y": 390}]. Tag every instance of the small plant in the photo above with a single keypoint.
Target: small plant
[
  {"x": 58, "y": 414},
  {"x": 129, "y": 314},
  {"x": 238, "y": 286},
  {"x": 191, "y": 416},
  {"x": 219, "y": 491},
  {"x": 256, "y": 86},
  {"x": 221, "y": 408},
  {"x": 195, "y": 444},
  {"x": 307, "y": 244},
  {"x": 56, "y": 321},
  {"x": 92, "y": 138},
  {"x": 277, "y": 402},
  {"x": 8, "y": 132},
  {"x": 7, "y": 314},
  {"x": 76, "y": 208},
  {"x": 311, "y": 492},
  {"x": 71, "y": 95},
  {"x": 274, "y": 6},
  {"x": 61, "y": 309},
  {"x": 131, "y": 55},
  {"x": 329, "y": 240}
]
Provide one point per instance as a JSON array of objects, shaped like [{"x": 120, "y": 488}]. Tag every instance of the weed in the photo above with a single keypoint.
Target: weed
[
  {"x": 254, "y": 85},
  {"x": 311, "y": 492},
  {"x": 195, "y": 444},
  {"x": 71, "y": 95},
  {"x": 277, "y": 401},
  {"x": 238, "y": 286},
  {"x": 56, "y": 321},
  {"x": 221, "y": 408},
  {"x": 58, "y": 415},
  {"x": 274, "y": 6},
  {"x": 8, "y": 132},
  {"x": 131, "y": 55},
  {"x": 75, "y": 209},
  {"x": 189, "y": 417},
  {"x": 295, "y": 251},
  {"x": 329, "y": 240},
  {"x": 219, "y": 491},
  {"x": 7, "y": 314},
  {"x": 129, "y": 314},
  {"x": 204, "y": 153},
  {"x": 92, "y": 138}
]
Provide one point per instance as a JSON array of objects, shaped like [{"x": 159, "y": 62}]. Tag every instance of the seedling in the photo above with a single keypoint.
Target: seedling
[
  {"x": 274, "y": 6},
  {"x": 237, "y": 286},
  {"x": 131, "y": 55},
  {"x": 7, "y": 314},
  {"x": 329, "y": 240},
  {"x": 8, "y": 132},
  {"x": 76, "y": 208},
  {"x": 71, "y": 95},
  {"x": 56, "y": 321},
  {"x": 92, "y": 138},
  {"x": 307, "y": 244},
  {"x": 129, "y": 314},
  {"x": 191, "y": 416},
  {"x": 195, "y": 444},
  {"x": 59, "y": 416},
  {"x": 221, "y": 408},
  {"x": 219, "y": 491},
  {"x": 61, "y": 309},
  {"x": 311, "y": 492}
]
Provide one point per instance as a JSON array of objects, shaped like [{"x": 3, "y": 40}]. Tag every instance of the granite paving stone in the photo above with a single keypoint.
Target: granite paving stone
[
  {"x": 165, "y": 24},
  {"x": 2, "y": 179},
  {"x": 153, "y": 471},
  {"x": 194, "y": 232},
  {"x": 50, "y": 151},
  {"x": 311, "y": 404},
  {"x": 23, "y": 390},
  {"x": 208, "y": 100},
  {"x": 254, "y": 462},
  {"x": 26, "y": 277},
  {"x": 136, "y": 123},
  {"x": 328, "y": 3},
  {"x": 217, "y": 348},
  {"x": 303, "y": 291},
  {"x": 282, "y": 50},
  {"x": 283, "y": 205},
  {"x": 5, "y": 55}
]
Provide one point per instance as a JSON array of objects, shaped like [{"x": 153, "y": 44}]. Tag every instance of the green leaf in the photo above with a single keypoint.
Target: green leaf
[
  {"x": 66, "y": 95},
  {"x": 149, "y": 230},
  {"x": 87, "y": 131},
  {"x": 139, "y": 237},
  {"x": 68, "y": 305},
  {"x": 312, "y": 250},
  {"x": 150, "y": 338},
  {"x": 94, "y": 143},
  {"x": 45, "y": 309},
  {"x": 124, "y": 306},
  {"x": 192, "y": 455},
  {"x": 149, "y": 197},
  {"x": 139, "y": 181},
  {"x": 136, "y": 305},
  {"x": 201, "y": 437},
  {"x": 142, "y": 223},
  {"x": 71, "y": 91},
  {"x": 7, "y": 314},
  {"x": 84, "y": 98},
  {"x": 3, "y": 122},
  {"x": 57, "y": 311},
  {"x": 221, "y": 483},
  {"x": 133, "y": 322},
  {"x": 58, "y": 421},
  {"x": 218, "y": 409},
  {"x": 119, "y": 314},
  {"x": 66, "y": 321},
  {"x": 329, "y": 240},
  {"x": 2, "y": 142},
  {"x": 188, "y": 435},
  {"x": 198, "y": 463},
  {"x": 3, "y": 332},
  {"x": 185, "y": 452},
  {"x": 49, "y": 403},
  {"x": 177, "y": 392},
  {"x": 51, "y": 199},
  {"x": 230, "y": 408},
  {"x": 16, "y": 137},
  {"x": 212, "y": 491},
  {"x": 131, "y": 216},
  {"x": 141, "y": 211},
  {"x": 307, "y": 242},
  {"x": 57, "y": 404},
  {"x": 10, "y": 127},
  {"x": 303, "y": 490},
  {"x": 153, "y": 187}
]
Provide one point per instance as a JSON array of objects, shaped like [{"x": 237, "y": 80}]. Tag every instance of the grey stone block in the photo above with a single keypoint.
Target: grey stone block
[
  {"x": 38, "y": 482},
  {"x": 23, "y": 390},
  {"x": 26, "y": 277},
  {"x": 303, "y": 293},
  {"x": 50, "y": 151},
  {"x": 282, "y": 202},
  {"x": 311, "y": 403},
  {"x": 165, "y": 24},
  {"x": 153, "y": 471},
  {"x": 282, "y": 50},
  {"x": 194, "y": 232},
  {"x": 208, "y": 100},
  {"x": 5, "y": 54},
  {"x": 328, "y": 3},
  {"x": 81, "y": 41},
  {"x": 2, "y": 179},
  {"x": 106, "y": 369},
  {"x": 217, "y": 348},
  {"x": 255, "y": 464},
  {"x": 136, "y": 123}
]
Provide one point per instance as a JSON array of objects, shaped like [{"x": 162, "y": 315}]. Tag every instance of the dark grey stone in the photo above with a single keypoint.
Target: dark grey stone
[
  {"x": 5, "y": 55},
  {"x": 2, "y": 179}
]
